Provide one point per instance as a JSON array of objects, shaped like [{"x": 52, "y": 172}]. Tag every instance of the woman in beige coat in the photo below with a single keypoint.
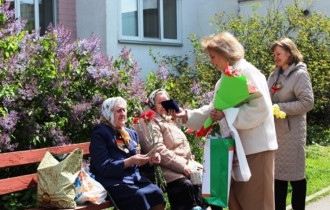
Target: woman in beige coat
[
  {"x": 291, "y": 89},
  {"x": 177, "y": 161}
]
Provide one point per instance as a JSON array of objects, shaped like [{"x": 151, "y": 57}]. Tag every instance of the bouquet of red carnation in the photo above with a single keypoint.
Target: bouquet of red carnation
[
  {"x": 143, "y": 123},
  {"x": 233, "y": 90}
]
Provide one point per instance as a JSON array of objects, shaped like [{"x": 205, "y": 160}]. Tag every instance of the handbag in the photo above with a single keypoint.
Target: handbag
[{"x": 56, "y": 180}]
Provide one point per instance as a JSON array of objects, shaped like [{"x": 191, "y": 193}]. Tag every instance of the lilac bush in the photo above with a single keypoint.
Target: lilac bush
[{"x": 52, "y": 88}]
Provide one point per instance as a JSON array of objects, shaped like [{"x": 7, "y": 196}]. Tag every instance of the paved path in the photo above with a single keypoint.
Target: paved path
[{"x": 321, "y": 204}]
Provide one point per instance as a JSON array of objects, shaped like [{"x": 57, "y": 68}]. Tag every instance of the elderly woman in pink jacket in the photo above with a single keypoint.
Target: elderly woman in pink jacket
[
  {"x": 291, "y": 89},
  {"x": 177, "y": 161}
]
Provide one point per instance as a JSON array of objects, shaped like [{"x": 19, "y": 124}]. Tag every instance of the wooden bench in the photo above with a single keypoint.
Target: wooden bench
[{"x": 15, "y": 184}]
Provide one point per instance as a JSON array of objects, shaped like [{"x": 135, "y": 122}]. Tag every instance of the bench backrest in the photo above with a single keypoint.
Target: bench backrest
[{"x": 10, "y": 159}]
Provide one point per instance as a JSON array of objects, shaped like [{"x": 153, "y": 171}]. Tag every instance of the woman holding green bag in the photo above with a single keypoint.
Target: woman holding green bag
[{"x": 254, "y": 123}]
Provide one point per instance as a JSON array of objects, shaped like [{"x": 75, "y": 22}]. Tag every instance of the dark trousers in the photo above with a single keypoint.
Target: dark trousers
[
  {"x": 183, "y": 195},
  {"x": 298, "y": 194}
]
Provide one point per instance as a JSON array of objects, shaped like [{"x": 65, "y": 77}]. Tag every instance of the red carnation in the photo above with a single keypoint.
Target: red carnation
[
  {"x": 203, "y": 131},
  {"x": 150, "y": 115},
  {"x": 189, "y": 131},
  {"x": 135, "y": 120}
]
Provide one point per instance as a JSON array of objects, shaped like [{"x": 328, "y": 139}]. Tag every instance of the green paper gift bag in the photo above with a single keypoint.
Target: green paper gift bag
[
  {"x": 218, "y": 158},
  {"x": 56, "y": 180}
]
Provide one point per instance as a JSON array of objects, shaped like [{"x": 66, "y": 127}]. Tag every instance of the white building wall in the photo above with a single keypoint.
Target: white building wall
[{"x": 102, "y": 17}]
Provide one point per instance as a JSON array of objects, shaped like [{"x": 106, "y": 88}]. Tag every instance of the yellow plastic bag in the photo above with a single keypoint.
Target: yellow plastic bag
[{"x": 56, "y": 180}]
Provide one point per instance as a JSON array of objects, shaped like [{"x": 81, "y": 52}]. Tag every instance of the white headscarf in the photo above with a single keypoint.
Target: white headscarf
[
  {"x": 152, "y": 97},
  {"x": 108, "y": 107}
]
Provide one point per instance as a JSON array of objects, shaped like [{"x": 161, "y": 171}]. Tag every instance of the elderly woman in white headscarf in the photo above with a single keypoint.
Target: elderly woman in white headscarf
[
  {"x": 115, "y": 160},
  {"x": 177, "y": 161}
]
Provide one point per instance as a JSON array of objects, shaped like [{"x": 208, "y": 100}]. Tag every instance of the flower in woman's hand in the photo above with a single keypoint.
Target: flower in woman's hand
[
  {"x": 150, "y": 115},
  {"x": 189, "y": 131},
  {"x": 203, "y": 131},
  {"x": 135, "y": 120},
  {"x": 230, "y": 71},
  {"x": 277, "y": 112}
]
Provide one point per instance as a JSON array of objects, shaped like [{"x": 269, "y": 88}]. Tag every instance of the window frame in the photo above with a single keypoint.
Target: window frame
[
  {"x": 152, "y": 41},
  {"x": 17, "y": 7}
]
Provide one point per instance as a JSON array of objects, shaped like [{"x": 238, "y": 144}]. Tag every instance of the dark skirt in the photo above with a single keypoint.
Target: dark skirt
[
  {"x": 140, "y": 195},
  {"x": 183, "y": 195}
]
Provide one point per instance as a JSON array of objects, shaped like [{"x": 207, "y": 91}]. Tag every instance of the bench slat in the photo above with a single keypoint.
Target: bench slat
[
  {"x": 104, "y": 205},
  {"x": 34, "y": 156},
  {"x": 18, "y": 183}
]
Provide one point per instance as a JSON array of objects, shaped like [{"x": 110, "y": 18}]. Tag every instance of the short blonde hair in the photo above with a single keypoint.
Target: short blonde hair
[
  {"x": 225, "y": 44},
  {"x": 288, "y": 45}
]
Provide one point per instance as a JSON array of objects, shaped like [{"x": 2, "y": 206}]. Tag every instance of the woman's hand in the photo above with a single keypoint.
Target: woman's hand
[
  {"x": 187, "y": 172},
  {"x": 181, "y": 114},
  {"x": 155, "y": 159},
  {"x": 137, "y": 159},
  {"x": 216, "y": 115}
]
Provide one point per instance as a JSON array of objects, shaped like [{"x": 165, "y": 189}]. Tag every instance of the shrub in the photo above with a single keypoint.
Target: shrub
[
  {"x": 309, "y": 32},
  {"x": 257, "y": 33},
  {"x": 53, "y": 88}
]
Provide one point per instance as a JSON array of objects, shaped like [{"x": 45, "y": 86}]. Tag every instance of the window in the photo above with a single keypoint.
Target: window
[
  {"x": 39, "y": 13},
  {"x": 150, "y": 21}
]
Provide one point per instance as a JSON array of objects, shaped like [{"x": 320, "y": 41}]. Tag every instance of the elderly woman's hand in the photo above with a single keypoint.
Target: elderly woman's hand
[
  {"x": 181, "y": 114},
  {"x": 137, "y": 159},
  {"x": 187, "y": 172},
  {"x": 216, "y": 115},
  {"x": 154, "y": 159}
]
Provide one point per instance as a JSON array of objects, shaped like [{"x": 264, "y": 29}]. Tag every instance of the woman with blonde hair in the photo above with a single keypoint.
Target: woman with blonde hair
[
  {"x": 291, "y": 89},
  {"x": 254, "y": 123}
]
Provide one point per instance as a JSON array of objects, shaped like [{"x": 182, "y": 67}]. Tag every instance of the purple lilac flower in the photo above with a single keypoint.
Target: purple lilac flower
[
  {"x": 9, "y": 121},
  {"x": 196, "y": 88},
  {"x": 50, "y": 106},
  {"x": 79, "y": 110},
  {"x": 97, "y": 99},
  {"x": 92, "y": 73},
  {"x": 125, "y": 54},
  {"x": 89, "y": 45},
  {"x": 8, "y": 102},
  {"x": 29, "y": 92},
  {"x": 162, "y": 71},
  {"x": 136, "y": 89},
  {"x": 207, "y": 97},
  {"x": 5, "y": 143},
  {"x": 105, "y": 73},
  {"x": 59, "y": 138}
]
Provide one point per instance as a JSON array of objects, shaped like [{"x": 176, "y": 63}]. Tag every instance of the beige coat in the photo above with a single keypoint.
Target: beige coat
[
  {"x": 173, "y": 147},
  {"x": 296, "y": 99}
]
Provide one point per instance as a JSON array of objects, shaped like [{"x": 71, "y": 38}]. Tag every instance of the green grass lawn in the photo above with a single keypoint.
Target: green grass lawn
[{"x": 317, "y": 170}]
